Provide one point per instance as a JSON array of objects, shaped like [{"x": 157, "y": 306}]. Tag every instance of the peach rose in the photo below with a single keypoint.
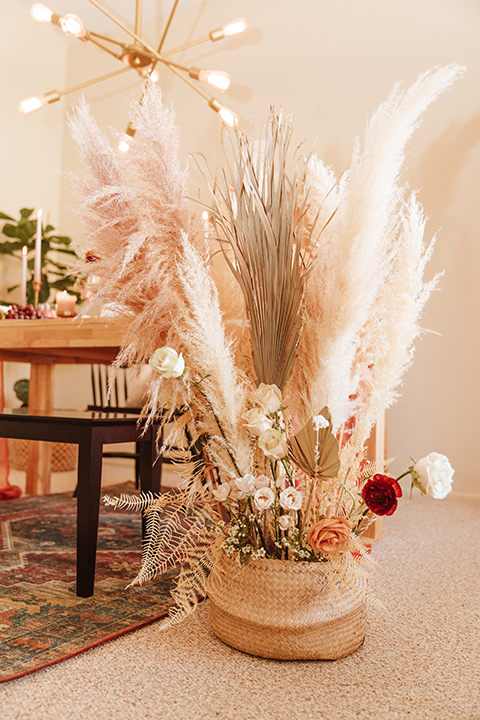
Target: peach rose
[{"x": 329, "y": 535}]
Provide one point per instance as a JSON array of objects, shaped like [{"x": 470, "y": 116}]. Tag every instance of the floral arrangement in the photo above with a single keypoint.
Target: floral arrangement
[{"x": 275, "y": 342}]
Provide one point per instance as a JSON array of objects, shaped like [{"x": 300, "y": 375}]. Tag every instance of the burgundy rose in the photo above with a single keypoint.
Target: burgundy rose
[{"x": 380, "y": 494}]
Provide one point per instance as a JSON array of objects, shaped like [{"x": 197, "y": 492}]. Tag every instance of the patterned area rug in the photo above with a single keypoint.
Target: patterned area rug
[{"x": 42, "y": 621}]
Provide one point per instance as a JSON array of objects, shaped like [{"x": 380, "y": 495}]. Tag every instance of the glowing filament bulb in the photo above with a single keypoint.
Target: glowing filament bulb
[
  {"x": 41, "y": 13},
  {"x": 73, "y": 26},
  {"x": 229, "y": 117},
  {"x": 124, "y": 145},
  {"x": 235, "y": 27},
  {"x": 31, "y": 104},
  {"x": 215, "y": 78}
]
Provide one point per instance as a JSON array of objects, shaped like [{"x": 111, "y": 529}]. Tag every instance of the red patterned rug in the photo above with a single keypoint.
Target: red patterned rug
[{"x": 42, "y": 621}]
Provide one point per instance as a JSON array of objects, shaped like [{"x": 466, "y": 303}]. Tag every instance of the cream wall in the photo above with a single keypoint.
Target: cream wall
[{"x": 331, "y": 64}]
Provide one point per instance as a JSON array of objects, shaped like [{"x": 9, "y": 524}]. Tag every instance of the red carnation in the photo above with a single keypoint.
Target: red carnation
[{"x": 380, "y": 494}]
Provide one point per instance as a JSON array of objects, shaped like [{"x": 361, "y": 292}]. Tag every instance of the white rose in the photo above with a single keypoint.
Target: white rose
[
  {"x": 221, "y": 492},
  {"x": 285, "y": 522},
  {"x": 262, "y": 481},
  {"x": 263, "y": 498},
  {"x": 167, "y": 362},
  {"x": 435, "y": 474},
  {"x": 269, "y": 397},
  {"x": 245, "y": 484},
  {"x": 291, "y": 499},
  {"x": 257, "y": 421},
  {"x": 273, "y": 444}
]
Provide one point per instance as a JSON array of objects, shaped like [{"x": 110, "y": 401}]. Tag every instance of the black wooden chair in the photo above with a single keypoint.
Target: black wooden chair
[
  {"x": 116, "y": 401},
  {"x": 90, "y": 431}
]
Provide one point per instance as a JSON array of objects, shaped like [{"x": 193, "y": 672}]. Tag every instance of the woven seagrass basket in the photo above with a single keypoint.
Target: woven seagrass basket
[
  {"x": 279, "y": 609},
  {"x": 64, "y": 455}
]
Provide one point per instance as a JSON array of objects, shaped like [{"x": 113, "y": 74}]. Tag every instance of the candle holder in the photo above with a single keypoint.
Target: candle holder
[{"x": 36, "y": 289}]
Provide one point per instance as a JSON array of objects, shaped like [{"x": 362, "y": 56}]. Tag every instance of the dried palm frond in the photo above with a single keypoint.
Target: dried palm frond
[{"x": 259, "y": 215}]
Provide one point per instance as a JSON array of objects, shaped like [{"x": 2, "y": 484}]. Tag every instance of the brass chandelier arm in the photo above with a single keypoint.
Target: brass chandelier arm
[
  {"x": 144, "y": 44},
  {"x": 186, "y": 79},
  {"x": 104, "y": 37},
  {"x": 87, "y": 83},
  {"x": 138, "y": 17},
  {"x": 186, "y": 46},
  {"x": 167, "y": 27},
  {"x": 102, "y": 47},
  {"x": 126, "y": 29}
]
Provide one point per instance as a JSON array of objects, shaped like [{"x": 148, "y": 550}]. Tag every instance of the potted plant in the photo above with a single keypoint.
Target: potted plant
[
  {"x": 56, "y": 275},
  {"x": 283, "y": 340}
]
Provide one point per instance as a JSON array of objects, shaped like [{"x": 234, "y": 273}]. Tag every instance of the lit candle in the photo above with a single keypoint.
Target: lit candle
[
  {"x": 23, "y": 286},
  {"x": 37, "y": 268},
  {"x": 65, "y": 304},
  {"x": 206, "y": 224}
]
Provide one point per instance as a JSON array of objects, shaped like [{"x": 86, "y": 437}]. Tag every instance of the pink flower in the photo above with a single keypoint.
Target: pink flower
[{"x": 329, "y": 535}]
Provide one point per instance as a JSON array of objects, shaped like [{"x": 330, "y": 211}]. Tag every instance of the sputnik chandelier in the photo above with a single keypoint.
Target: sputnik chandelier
[{"x": 140, "y": 56}]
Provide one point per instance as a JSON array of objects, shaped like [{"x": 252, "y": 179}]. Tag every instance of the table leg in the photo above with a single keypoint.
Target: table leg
[{"x": 39, "y": 453}]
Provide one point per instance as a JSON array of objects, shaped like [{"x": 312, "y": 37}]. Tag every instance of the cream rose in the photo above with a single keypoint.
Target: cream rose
[
  {"x": 221, "y": 492},
  {"x": 269, "y": 397},
  {"x": 263, "y": 498},
  {"x": 435, "y": 474},
  {"x": 167, "y": 362},
  {"x": 257, "y": 421},
  {"x": 245, "y": 484},
  {"x": 291, "y": 499},
  {"x": 262, "y": 481},
  {"x": 285, "y": 521},
  {"x": 273, "y": 444},
  {"x": 329, "y": 535}
]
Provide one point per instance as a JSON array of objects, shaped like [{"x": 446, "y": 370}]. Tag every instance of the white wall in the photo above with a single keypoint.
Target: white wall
[{"x": 332, "y": 64}]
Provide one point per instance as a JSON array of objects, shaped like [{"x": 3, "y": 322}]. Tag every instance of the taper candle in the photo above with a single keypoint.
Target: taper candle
[
  {"x": 37, "y": 268},
  {"x": 23, "y": 286}
]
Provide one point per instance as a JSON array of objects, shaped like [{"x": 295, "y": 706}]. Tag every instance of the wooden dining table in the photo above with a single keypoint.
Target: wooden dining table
[{"x": 49, "y": 342}]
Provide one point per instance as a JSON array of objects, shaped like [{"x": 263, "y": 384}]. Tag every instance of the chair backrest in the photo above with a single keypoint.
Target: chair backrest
[{"x": 118, "y": 397}]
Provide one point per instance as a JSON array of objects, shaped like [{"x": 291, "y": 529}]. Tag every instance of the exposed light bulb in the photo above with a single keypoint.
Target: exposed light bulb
[
  {"x": 73, "y": 26},
  {"x": 124, "y": 145},
  {"x": 31, "y": 104},
  {"x": 215, "y": 78},
  {"x": 229, "y": 117},
  {"x": 235, "y": 27},
  {"x": 41, "y": 13},
  {"x": 152, "y": 75}
]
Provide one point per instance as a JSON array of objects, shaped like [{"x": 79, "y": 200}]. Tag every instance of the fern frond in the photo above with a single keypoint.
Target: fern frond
[
  {"x": 190, "y": 589},
  {"x": 173, "y": 537},
  {"x": 131, "y": 502}
]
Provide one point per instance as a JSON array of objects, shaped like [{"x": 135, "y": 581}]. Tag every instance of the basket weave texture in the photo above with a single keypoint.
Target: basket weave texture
[
  {"x": 279, "y": 609},
  {"x": 64, "y": 455}
]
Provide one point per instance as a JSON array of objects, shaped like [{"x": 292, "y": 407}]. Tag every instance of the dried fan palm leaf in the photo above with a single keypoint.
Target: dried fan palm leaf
[
  {"x": 259, "y": 214},
  {"x": 315, "y": 451}
]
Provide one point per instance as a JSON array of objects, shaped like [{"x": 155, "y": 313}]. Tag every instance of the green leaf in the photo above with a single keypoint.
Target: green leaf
[
  {"x": 61, "y": 239},
  {"x": 11, "y": 230},
  {"x": 25, "y": 213},
  {"x": 5, "y": 217},
  {"x": 21, "y": 389}
]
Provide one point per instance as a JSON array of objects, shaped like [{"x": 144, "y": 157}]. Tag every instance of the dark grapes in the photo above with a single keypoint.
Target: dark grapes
[{"x": 27, "y": 312}]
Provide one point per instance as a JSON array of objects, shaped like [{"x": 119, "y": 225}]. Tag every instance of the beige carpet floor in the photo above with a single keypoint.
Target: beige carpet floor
[{"x": 420, "y": 660}]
